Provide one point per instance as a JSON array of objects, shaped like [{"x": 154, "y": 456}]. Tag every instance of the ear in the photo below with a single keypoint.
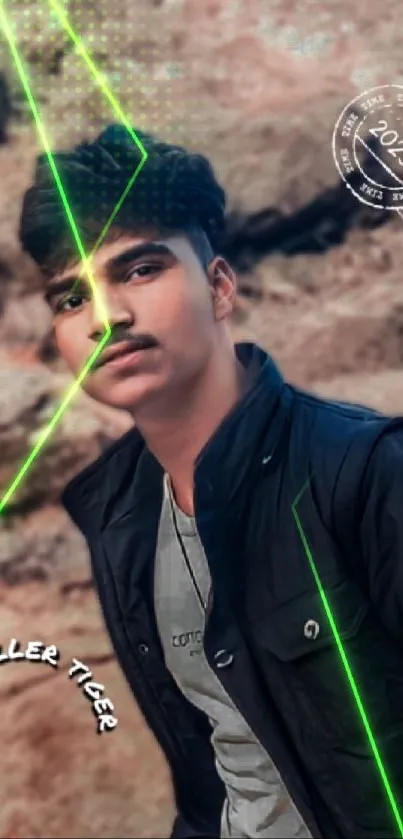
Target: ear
[{"x": 222, "y": 281}]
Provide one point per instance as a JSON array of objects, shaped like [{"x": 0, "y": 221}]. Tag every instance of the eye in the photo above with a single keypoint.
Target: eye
[
  {"x": 62, "y": 305},
  {"x": 143, "y": 270}
]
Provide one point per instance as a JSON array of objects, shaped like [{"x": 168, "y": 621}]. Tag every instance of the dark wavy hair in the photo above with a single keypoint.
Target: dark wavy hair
[{"x": 175, "y": 192}]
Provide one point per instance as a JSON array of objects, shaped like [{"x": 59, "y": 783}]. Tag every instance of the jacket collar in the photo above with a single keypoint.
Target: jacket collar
[{"x": 122, "y": 478}]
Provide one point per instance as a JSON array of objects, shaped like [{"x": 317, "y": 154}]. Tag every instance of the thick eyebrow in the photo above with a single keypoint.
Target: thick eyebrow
[{"x": 113, "y": 266}]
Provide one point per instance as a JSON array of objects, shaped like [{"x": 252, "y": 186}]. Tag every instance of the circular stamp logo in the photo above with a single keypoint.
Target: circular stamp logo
[{"x": 368, "y": 146}]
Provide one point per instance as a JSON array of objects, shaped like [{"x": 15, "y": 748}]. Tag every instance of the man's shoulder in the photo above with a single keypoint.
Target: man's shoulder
[
  {"x": 323, "y": 406},
  {"x": 338, "y": 438},
  {"x": 336, "y": 422},
  {"x": 94, "y": 478}
]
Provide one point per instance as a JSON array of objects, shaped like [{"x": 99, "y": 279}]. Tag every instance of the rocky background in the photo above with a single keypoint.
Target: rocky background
[{"x": 257, "y": 85}]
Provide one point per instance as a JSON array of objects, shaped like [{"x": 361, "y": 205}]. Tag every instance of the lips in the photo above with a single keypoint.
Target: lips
[{"x": 124, "y": 348}]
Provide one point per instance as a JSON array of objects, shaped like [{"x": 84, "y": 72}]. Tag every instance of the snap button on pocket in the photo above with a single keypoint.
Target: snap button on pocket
[
  {"x": 223, "y": 658},
  {"x": 311, "y": 630}
]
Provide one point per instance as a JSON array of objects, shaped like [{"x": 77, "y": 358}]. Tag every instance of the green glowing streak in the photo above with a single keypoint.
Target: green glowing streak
[
  {"x": 45, "y": 143},
  {"x": 48, "y": 430},
  {"x": 346, "y": 664},
  {"x": 95, "y": 72},
  {"x": 98, "y": 300}
]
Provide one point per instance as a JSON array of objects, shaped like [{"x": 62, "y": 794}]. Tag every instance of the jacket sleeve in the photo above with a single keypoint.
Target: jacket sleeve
[{"x": 375, "y": 525}]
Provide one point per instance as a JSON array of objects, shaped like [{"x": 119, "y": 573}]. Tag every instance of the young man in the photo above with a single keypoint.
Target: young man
[{"x": 246, "y": 538}]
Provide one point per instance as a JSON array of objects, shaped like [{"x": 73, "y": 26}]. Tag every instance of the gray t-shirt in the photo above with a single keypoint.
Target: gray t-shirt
[{"x": 257, "y": 803}]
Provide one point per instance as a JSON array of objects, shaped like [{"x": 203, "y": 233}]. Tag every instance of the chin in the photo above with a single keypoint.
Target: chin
[{"x": 127, "y": 395}]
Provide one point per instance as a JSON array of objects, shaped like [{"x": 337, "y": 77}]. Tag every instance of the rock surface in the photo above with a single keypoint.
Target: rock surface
[{"x": 258, "y": 87}]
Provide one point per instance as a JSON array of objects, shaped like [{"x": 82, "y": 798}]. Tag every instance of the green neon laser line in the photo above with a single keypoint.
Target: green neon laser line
[
  {"x": 115, "y": 105},
  {"x": 81, "y": 49},
  {"x": 95, "y": 72},
  {"x": 45, "y": 142},
  {"x": 347, "y": 668},
  {"x": 97, "y": 297}
]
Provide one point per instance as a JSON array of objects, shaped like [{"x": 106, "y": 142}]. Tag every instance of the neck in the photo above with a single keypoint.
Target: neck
[{"x": 176, "y": 433}]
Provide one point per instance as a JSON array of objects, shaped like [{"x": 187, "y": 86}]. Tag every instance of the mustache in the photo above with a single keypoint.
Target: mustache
[{"x": 128, "y": 343}]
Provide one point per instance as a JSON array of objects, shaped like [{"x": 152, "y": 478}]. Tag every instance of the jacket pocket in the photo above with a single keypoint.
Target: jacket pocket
[
  {"x": 324, "y": 686},
  {"x": 305, "y": 625},
  {"x": 309, "y": 655},
  {"x": 312, "y": 654}
]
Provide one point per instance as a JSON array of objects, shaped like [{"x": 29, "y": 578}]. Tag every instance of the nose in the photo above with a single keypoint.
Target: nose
[{"x": 114, "y": 307}]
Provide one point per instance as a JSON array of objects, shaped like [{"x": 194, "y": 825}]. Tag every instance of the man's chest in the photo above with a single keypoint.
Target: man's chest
[{"x": 181, "y": 586}]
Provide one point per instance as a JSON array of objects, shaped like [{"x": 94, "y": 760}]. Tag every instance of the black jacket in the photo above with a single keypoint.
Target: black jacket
[{"x": 299, "y": 505}]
